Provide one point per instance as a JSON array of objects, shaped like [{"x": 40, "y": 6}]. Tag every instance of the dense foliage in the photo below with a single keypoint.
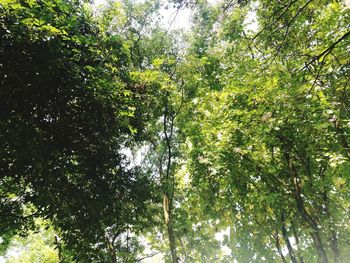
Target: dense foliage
[
  {"x": 225, "y": 142},
  {"x": 66, "y": 113}
]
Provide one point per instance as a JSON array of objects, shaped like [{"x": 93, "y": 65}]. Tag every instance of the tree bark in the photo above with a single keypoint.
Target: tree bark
[
  {"x": 301, "y": 259},
  {"x": 278, "y": 246},
  {"x": 168, "y": 180},
  {"x": 333, "y": 240},
  {"x": 308, "y": 219},
  {"x": 111, "y": 252},
  {"x": 286, "y": 239},
  {"x": 169, "y": 224},
  {"x": 57, "y": 242}
]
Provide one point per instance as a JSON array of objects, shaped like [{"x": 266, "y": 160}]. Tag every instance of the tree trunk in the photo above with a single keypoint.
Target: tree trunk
[
  {"x": 278, "y": 246},
  {"x": 311, "y": 223},
  {"x": 301, "y": 259},
  {"x": 333, "y": 240},
  {"x": 167, "y": 178},
  {"x": 167, "y": 203},
  {"x": 111, "y": 252},
  {"x": 57, "y": 242},
  {"x": 286, "y": 239},
  {"x": 308, "y": 219}
]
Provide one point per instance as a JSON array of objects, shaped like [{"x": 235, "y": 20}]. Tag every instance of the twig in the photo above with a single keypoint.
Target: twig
[
  {"x": 148, "y": 256},
  {"x": 274, "y": 21},
  {"x": 326, "y": 51}
]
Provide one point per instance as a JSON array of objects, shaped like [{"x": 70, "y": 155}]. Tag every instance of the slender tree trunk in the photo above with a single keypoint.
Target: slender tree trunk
[
  {"x": 168, "y": 180},
  {"x": 167, "y": 214},
  {"x": 315, "y": 234},
  {"x": 59, "y": 247},
  {"x": 301, "y": 259},
  {"x": 307, "y": 218},
  {"x": 311, "y": 222},
  {"x": 335, "y": 247},
  {"x": 333, "y": 240},
  {"x": 278, "y": 246},
  {"x": 169, "y": 224},
  {"x": 111, "y": 252},
  {"x": 319, "y": 246},
  {"x": 286, "y": 239}
]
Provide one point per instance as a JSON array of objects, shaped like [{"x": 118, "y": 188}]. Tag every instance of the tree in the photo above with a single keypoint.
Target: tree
[
  {"x": 242, "y": 122},
  {"x": 67, "y": 110},
  {"x": 261, "y": 140},
  {"x": 38, "y": 246}
]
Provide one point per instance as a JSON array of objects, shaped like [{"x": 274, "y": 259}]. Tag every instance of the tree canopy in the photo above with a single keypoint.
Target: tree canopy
[{"x": 123, "y": 140}]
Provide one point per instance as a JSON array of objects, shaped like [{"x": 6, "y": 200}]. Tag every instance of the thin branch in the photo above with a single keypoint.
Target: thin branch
[
  {"x": 148, "y": 256},
  {"x": 317, "y": 75},
  {"x": 274, "y": 21},
  {"x": 231, "y": 3},
  {"x": 287, "y": 30},
  {"x": 326, "y": 51},
  {"x": 336, "y": 58},
  {"x": 249, "y": 45}
]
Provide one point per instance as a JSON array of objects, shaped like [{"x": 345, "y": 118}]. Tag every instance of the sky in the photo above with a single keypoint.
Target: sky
[{"x": 171, "y": 18}]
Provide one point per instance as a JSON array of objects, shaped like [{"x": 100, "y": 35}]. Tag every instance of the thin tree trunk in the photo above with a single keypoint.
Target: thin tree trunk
[
  {"x": 315, "y": 235},
  {"x": 308, "y": 219},
  {"x": 301, "y": 259},
  {"x": 111, "y": 252},
  {"x": 168, "y": 222},
  {"x": 59, "y": 247},
  {"x": 168, "y": 181},
  {"x": 335, "y": 247},
  {"x": 286, "y": 239},
  {"x": 333, "y": 240},
  {"x": 278, "y": 246}
]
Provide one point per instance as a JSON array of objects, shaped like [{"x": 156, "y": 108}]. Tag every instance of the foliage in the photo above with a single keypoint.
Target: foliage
[
  {"x": 66, "y": 112},
  {"x": 264, "y": 142},
  {"x": 38, "y": 246},
  {"x": 242, "y": 125}
]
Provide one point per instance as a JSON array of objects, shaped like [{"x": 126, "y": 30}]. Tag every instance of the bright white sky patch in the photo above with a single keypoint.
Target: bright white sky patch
[
  {"x": 220, "y": 237},
  {"x": 172, "y": 18},
  {"x": 176, "y": 19},
  {"x": 250, "y": 22},
  {"x": 99, "y": 2}
]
